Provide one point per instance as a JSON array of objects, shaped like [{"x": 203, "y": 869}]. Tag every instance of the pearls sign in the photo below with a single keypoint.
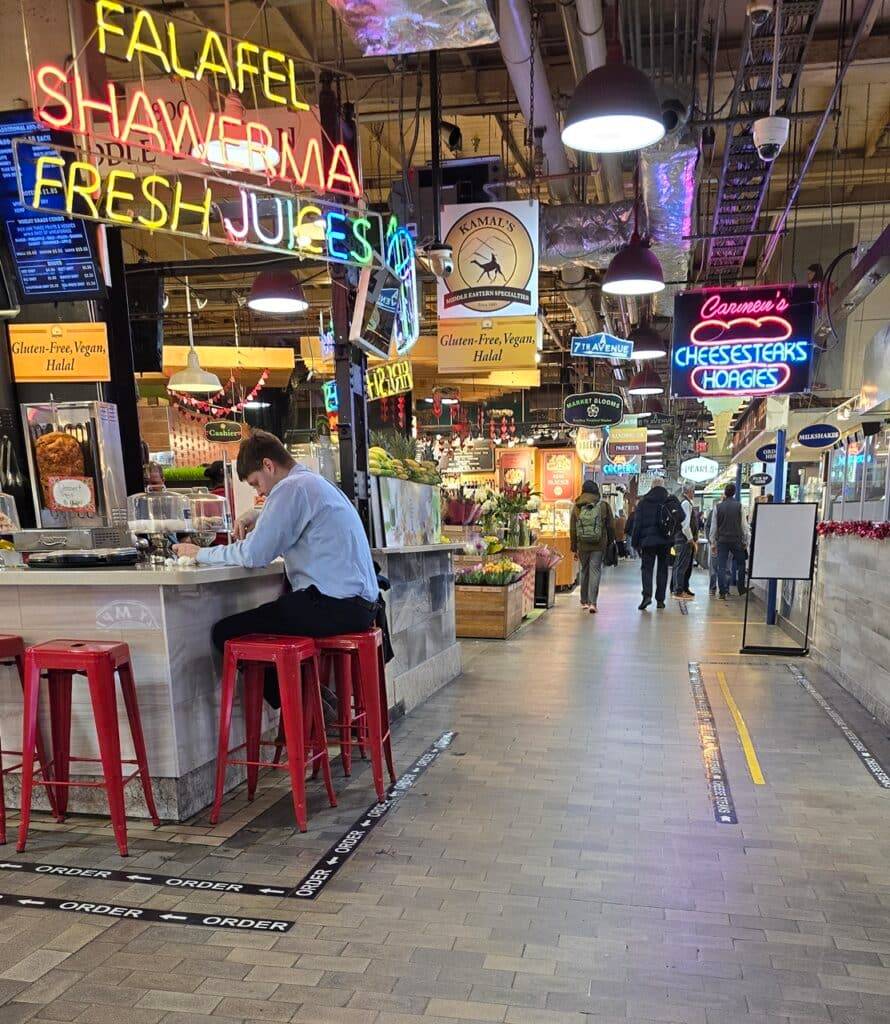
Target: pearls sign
[{"x": 699, "y": 470}]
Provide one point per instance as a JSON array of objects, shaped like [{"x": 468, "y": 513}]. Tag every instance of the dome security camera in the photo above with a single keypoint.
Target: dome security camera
[
  {"x": 437, "y": 257},
  {"x": 770, "y": 135},
  {"x": 759, "y": 11}
]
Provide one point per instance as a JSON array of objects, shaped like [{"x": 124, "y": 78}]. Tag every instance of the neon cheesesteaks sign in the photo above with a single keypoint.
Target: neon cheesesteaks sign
[
  {"x": 743, "y": 341},
  {"x": 268, "y": 217}
]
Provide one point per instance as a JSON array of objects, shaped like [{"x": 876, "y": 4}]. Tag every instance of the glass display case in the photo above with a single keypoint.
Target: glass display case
[
  {"x": 159, "y": 512},
  {"x": 210, "y": 516},
  {"x": 9, "y": 517},
  {"x": 75, "y": 464}
]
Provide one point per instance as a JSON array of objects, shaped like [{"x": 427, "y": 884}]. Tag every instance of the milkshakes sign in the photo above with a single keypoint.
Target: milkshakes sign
[
  {"x": 743, "y": 341},
  {"x": 495, "y": 253}
]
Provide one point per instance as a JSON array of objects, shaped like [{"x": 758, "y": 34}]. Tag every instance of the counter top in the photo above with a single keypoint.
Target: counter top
[
  {"x": 417, "y": 549},
  {"x": 146, "y": 576}
]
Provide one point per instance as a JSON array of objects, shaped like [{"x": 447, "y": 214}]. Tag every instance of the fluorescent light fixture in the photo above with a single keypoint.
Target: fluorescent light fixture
[
  {"x": 235, "y": 153},
  {"x": 257, "y": 405},
  {"x": 654, "y": 431},
  {"x": 655, "y": 444}
]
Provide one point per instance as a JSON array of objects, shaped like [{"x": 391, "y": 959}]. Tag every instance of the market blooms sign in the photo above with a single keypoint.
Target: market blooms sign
[
  {"x": 743, "y": 341},
  {"x": 276, "y": 216}
]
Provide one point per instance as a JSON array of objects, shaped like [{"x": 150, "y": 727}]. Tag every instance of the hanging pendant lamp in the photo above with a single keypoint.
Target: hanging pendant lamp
[
  {"x": 646, "y": 382},
  {"x": 193, "y": 380},
  {"x": 648, "y": 343},
  {"x": 277, "y": 291},
  {"x": 614, "y": 108},
  {"x": 634, "y": 269}
]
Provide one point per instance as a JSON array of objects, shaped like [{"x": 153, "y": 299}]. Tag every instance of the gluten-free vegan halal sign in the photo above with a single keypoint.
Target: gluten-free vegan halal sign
[{"x": 495, "y": 272}]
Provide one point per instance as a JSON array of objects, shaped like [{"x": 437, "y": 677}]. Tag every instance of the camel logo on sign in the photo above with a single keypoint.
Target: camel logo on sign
[{"x": 494, "y": 247}]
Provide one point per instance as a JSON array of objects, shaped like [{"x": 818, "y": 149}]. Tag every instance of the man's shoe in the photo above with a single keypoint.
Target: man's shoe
[
  {"x": 644, "y": 604},
  {"x": 713, "y": 593},
  {"x": 687, "y": 595},
  {"x": 743, "y": 591},
  {"x": 723, "y": 597},
  {"x": 660, "y": 605}
]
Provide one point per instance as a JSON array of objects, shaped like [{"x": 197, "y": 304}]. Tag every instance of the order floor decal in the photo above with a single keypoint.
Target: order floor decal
[
  {"x": 872, "y": 765},
  {"x": 715, "y": 771},
  {"x": 98, "y": 909},
  {"x": 333, "y": 860}
]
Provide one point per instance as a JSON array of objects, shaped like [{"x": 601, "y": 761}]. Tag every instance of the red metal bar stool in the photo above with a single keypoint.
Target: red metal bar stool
[
  {"x": 98, "y": 661},
  {"x": 12, "y": 651},
  {"x": 302, "y": 717},
  {"x": 360, "y": 678}
]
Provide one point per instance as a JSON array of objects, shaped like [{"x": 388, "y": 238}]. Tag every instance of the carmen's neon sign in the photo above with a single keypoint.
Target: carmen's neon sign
[{"x": 747, "y": 341}]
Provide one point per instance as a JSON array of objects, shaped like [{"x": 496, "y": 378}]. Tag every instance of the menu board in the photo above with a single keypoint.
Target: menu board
[
  {"x": 51, "y": 255},
  {"x": 473, "y": 458}
]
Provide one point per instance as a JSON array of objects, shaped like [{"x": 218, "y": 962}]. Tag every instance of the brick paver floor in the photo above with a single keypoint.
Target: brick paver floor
[{"x": 560, "y": 863}]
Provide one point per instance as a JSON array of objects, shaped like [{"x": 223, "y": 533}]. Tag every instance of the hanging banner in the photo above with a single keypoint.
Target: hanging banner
[
  {"x": 559, "y": 471},
  {"x": 602, "y": 346},
  {"x": 495, "y": 256},
  {"x": 483, "y": 345},
  {"x": 743, "y": 341},
  {"x": 59, "y": 352},
  {"x": 699, "y": 470},
  {"x": 592, "y": 409}
]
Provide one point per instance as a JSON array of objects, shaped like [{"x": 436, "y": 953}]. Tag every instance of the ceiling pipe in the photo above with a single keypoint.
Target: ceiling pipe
[
  {"x": 585, "y": 29},
  {"x": 515, "y": 31}
]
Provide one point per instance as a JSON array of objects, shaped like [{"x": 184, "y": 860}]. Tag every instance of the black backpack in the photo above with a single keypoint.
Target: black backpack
[{"x": 670, "y": 518}]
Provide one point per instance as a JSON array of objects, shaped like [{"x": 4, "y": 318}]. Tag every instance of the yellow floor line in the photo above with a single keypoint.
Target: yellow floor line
[{"x": 742, "y": 729}]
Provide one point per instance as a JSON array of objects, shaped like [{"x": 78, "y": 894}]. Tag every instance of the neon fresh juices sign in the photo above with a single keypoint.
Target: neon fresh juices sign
[
  {"x": 743, "y": 341},
  {"x": 186, "y": 199}
]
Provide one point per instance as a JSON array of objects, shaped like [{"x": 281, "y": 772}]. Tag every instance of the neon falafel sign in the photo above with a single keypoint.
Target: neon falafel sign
[{"x": 743, "y": 341}]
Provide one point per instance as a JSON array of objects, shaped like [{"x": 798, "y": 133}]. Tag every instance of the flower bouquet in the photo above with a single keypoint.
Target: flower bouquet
[
  {"x": 547, "y": 558},
  {"x": 490, "y": 574}
]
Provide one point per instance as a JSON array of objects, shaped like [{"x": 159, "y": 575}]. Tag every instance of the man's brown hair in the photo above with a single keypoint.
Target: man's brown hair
[{"x": 258, "y": 446}]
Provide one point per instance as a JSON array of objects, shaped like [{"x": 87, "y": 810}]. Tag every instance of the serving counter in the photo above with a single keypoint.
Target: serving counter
[{"x": 165, "y": 615}]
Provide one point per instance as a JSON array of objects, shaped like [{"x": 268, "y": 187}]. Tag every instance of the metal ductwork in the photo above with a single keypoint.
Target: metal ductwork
[
  {"x": 668, "y": 180},
  {"x": 574, "y": 235}
]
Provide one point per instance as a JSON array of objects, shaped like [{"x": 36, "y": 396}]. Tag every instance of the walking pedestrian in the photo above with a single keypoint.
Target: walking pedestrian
[
  {"x": 684, "y": 546},
  {"x": 590, "y": 530},
  {"x": 656, "y": 521},
  {"x": 728, "y": 537},
  {"x": 619, "y": 522}
]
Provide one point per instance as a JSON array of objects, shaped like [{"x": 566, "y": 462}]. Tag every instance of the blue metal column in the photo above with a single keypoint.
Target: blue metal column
[
  {"x": 738, "y": 482},
  {"x": 778, "y": 495}
]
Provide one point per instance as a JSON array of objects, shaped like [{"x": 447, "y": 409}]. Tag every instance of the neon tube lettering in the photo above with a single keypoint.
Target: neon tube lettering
[
  {"x": 105, "y": 28},
  {"x": 203, "y": 208},
  {"x": 238, "y": 234},
  {"x": 213, "y": 58},
  {"x": 154, "y": 47},
  {"x": 713, "y": 332},
  {"x": 41, "y": 181},
  {"x": 148, "y": 187}
]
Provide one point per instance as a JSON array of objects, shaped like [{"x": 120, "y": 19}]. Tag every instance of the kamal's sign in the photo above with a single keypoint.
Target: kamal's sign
[
  {"x": 602, "y": 346},
  {"x": 495, "y": 252},
  {"x": 743, "y": 341}
]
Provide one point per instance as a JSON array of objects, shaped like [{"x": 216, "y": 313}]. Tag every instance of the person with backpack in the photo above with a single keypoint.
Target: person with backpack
[
  {"x": 590, "y": 529},
  {"x": 658, "y": 518}
]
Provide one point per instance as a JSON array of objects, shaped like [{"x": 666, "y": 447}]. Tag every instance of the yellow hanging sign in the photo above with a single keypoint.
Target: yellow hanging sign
[{"x": 59, "y": 352}]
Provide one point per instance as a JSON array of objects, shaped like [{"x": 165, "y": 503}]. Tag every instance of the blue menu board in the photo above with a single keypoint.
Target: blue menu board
[{"x": 52, "y": 255}]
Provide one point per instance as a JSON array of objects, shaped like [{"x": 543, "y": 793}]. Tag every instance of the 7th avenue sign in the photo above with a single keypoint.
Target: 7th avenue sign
[
  {"x": 602, "y": 346},
  {"x": 592, "y": 409}
]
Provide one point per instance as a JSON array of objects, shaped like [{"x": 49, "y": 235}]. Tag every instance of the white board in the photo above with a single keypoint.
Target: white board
[{"x": 784, "y": 535}]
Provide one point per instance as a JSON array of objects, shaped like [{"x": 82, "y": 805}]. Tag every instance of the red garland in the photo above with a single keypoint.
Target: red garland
[{"x": 857, "y": 528}]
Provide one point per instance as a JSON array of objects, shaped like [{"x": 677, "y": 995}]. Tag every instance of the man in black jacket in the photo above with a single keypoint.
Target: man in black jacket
[
  {"x": 658, "y": 517},
  {"x": 728, "y": 536}
]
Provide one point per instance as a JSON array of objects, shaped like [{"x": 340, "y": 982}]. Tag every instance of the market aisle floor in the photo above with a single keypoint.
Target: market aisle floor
[{"x": 561, "y": 862}]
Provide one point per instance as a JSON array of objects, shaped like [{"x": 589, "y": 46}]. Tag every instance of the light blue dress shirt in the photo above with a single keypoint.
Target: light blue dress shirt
[{"x": 314, "y": 527}]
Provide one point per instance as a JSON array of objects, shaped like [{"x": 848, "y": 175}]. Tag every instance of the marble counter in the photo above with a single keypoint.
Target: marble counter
[{"x": 165, "y": 615}]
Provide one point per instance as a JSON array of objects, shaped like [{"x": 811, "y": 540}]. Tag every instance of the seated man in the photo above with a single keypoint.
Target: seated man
[{"x": 314, "y": 527}]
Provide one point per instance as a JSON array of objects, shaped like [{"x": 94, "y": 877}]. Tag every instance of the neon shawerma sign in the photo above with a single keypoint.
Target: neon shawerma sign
[
  {"x": 743, "y": 341},
  {"x": 220, "y": 174}
]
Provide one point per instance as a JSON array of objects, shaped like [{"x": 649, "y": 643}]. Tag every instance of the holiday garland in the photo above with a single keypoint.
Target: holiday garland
[
  {"x": 856, "y": 528},
  {"x": 212, "y": 406}
]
